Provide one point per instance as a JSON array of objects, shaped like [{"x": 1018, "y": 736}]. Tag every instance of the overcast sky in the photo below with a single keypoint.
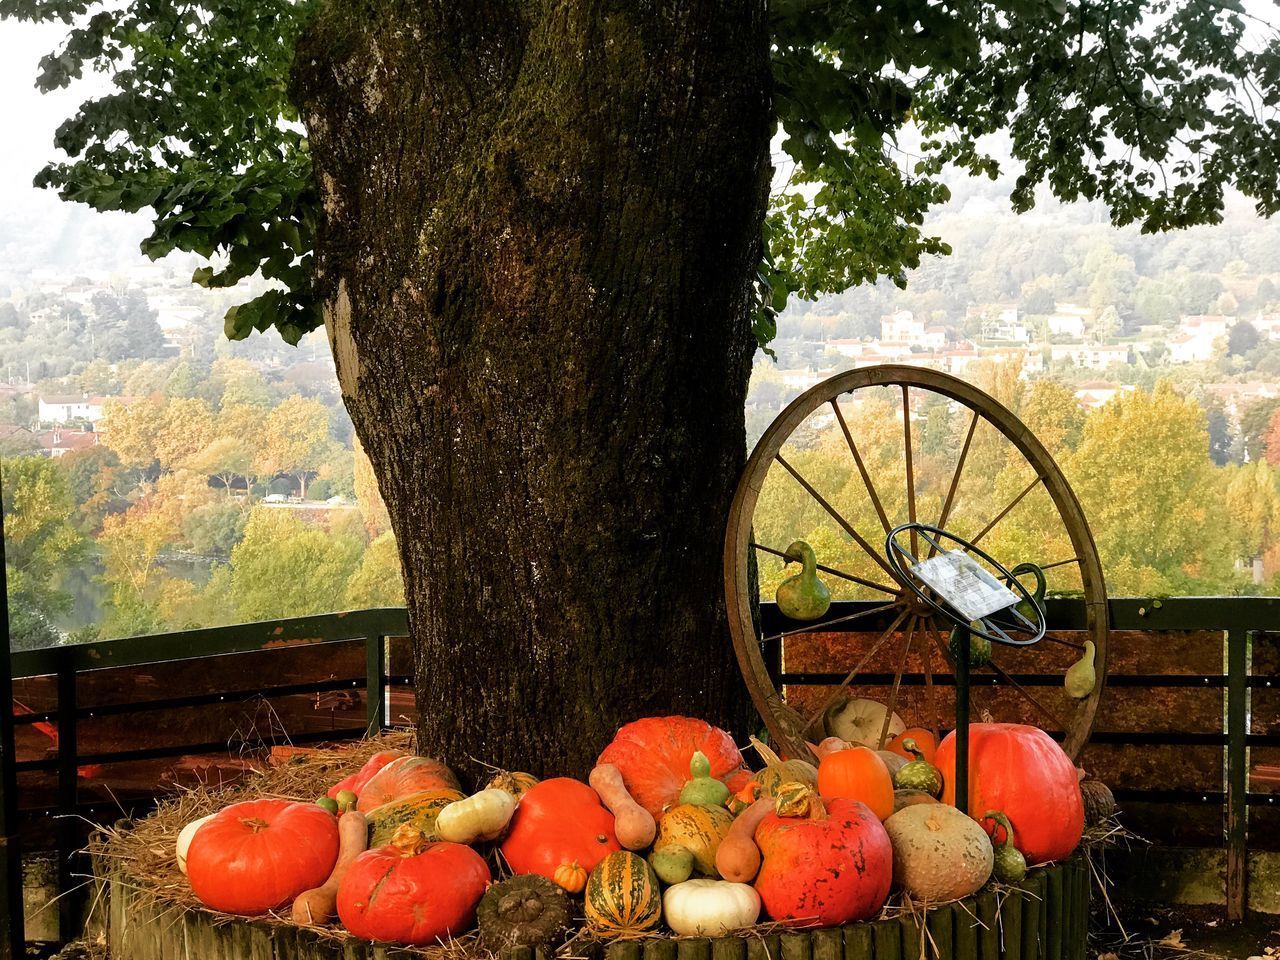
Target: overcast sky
[{"x": 30, "y": 119}]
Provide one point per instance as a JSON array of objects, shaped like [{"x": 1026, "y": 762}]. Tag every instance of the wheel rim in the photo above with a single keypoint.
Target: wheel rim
[{"x": 779, "y": 718}]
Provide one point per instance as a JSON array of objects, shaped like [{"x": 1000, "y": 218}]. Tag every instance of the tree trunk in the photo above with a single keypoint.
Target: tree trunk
[{"x": 540, "y": 221}]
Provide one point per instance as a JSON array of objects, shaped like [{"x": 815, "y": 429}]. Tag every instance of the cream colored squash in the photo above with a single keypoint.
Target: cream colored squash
[
  {"x": 709, "y": 908},
  {"x": 184, "y": 840},
  {"x": 481, "y": 816},
  {"x": 939, "y": 853},
  {"x": 859, "y": 722}
]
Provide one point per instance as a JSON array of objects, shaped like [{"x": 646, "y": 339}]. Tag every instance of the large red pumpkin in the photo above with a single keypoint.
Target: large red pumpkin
[
  {"x": 258, "y": 855},
  {"x": 356, "y": 781},
  {"x": 824, "y": 872},
  {"x": 653, "y": 756},
  {"x": 402, "y": 777},
  {"x": 412, "y": 893},
  {"x": 1021, "y": 771},
  {"x": 557, "y": 822}
]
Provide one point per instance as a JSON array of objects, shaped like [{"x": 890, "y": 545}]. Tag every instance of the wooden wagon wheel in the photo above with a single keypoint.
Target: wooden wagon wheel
[{"x": 979, "y": 421}]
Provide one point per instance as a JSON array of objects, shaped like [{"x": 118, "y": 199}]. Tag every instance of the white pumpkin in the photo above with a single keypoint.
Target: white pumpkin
[
  {"x": 184, "y": 840},
  {"x": 482, "y": 816},
  {"x": 859, "y": 721},
  {"x": 709, "y": 908}
]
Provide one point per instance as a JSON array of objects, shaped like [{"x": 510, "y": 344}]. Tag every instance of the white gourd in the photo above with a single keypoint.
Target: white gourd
[
  {"x": 482, "y": 816},
  {"x": 185, "y": 836},
  {"x": 709, "y": 908}
]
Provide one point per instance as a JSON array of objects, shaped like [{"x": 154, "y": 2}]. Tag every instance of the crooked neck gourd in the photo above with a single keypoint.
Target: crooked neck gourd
[{"x": 803, "y": 596}]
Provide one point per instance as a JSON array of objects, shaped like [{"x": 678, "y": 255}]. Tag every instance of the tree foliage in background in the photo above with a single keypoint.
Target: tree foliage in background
[
  {"x": 40, "y": 544},
  {"x": 1152, "y": 107}
]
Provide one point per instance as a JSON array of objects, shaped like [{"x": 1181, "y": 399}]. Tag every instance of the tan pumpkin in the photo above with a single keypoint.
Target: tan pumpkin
[
  {"x": 939, "y": 853},
  {"x": 622, "y": 896}
]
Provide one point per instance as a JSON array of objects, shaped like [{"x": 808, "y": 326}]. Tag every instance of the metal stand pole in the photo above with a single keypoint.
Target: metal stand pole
[
  {"x": 12, "y": 934},
  {"x": 962, "y": 722}
]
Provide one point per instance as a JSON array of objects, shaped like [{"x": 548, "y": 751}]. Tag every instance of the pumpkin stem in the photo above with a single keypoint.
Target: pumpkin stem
[
  {"x": 254, "y": 823},
  {"x": 770, "y": 758},
  {"x": 799, "y": 800},
  {"x": 408, "y": 840},
  {"x": 912, "y": 748}
]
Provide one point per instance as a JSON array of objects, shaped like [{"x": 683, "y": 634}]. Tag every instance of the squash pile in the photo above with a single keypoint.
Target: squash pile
[{"x": 672, "y": 831}]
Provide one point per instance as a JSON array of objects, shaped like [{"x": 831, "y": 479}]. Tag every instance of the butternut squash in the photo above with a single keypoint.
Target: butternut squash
[
  {"x": 738, "y": 857},
  {"x": 633, "y": 825},
  {"x": 482, "y": 816},
  {"x": 319, "y": 905}
]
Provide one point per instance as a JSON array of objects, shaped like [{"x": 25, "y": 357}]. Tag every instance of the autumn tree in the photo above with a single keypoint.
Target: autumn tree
[
  {"x": 1145, "y": 483},
  {"x": 540, "y": 238},
  {"x": 275, "y": 549},
  {"x": 1271, "y": 441},
  {"x": 295, "y": 440},
  {"x": 40, "y": 544}
]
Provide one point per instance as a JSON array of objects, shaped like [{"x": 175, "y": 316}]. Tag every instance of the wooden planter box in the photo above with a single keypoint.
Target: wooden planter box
[{"x": 1046, "y": 918}]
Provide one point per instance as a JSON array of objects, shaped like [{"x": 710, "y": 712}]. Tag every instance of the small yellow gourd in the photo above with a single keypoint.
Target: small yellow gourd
[
  {"x": 1081, "y": 677},
  {"x": 482, "y": 816},
  {"x": 803, "y": 596}
]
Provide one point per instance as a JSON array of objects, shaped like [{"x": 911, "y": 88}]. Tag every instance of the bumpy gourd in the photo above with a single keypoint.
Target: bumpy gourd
[
  {"x": 919, "y": 773},
  {"x": 1010, "y": 865},
  {"x": 524, "y": 911},
  {"x": 803, "y": 596},
  {"x": 703, "y": 789},
  {"x": 1081, "y": 676},
  {"x": 979, "y": 647}
]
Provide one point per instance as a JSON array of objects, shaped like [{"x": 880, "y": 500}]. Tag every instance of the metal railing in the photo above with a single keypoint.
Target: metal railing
[{"x": 1236, "y": 618}]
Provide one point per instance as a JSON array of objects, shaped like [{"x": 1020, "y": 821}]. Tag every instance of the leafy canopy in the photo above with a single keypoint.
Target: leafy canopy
[{"x": 1152, "y": 106}]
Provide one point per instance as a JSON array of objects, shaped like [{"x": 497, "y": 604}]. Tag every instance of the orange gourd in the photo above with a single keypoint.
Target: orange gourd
[
  {"x": 570, "y": 877},
  {"x": 857, "y": 774},
  {"x": 923, "y": 738}
]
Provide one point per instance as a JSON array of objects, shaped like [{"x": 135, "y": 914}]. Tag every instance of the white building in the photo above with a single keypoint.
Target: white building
[
  {"x": 65, "y": 408},
  {"x": 1068, "y": 320},
  {"x": 1090, "y": 356},
  {"x": 901, "y": 327}
]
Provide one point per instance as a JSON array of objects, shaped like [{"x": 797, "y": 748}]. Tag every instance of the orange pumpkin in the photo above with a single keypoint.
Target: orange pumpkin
[
  {"x": 857, "y": 774},
  {"x": 653, "y": 757},
  {"x": 1021, "y": 771},
  {"x": 405, "y": 776},
  {"x": 923, "y": 738}
]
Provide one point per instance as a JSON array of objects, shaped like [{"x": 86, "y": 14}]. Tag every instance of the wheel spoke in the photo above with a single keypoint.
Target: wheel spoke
[
  {"x": 1003, "y": 513},
  {"x": 897, "y": 681},
  {"x": 823, "y": 624},
  {"x": 822, "y": 710},
  {"x": 835, "y": 515},
  {"x": 1049, "y": 715},
  {"x": 833, "y": 571},
  {"x": 862, "y": 467},
  {"x": 1059, "y": 563},
  {"x": 910, "y": 469},
  {"x": 955, "y": 477},
  {"x": 1063, "y": 642}
]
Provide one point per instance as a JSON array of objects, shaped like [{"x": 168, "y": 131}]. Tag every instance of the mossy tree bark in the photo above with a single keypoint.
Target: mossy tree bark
[{"x": 540, "y": 222}]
